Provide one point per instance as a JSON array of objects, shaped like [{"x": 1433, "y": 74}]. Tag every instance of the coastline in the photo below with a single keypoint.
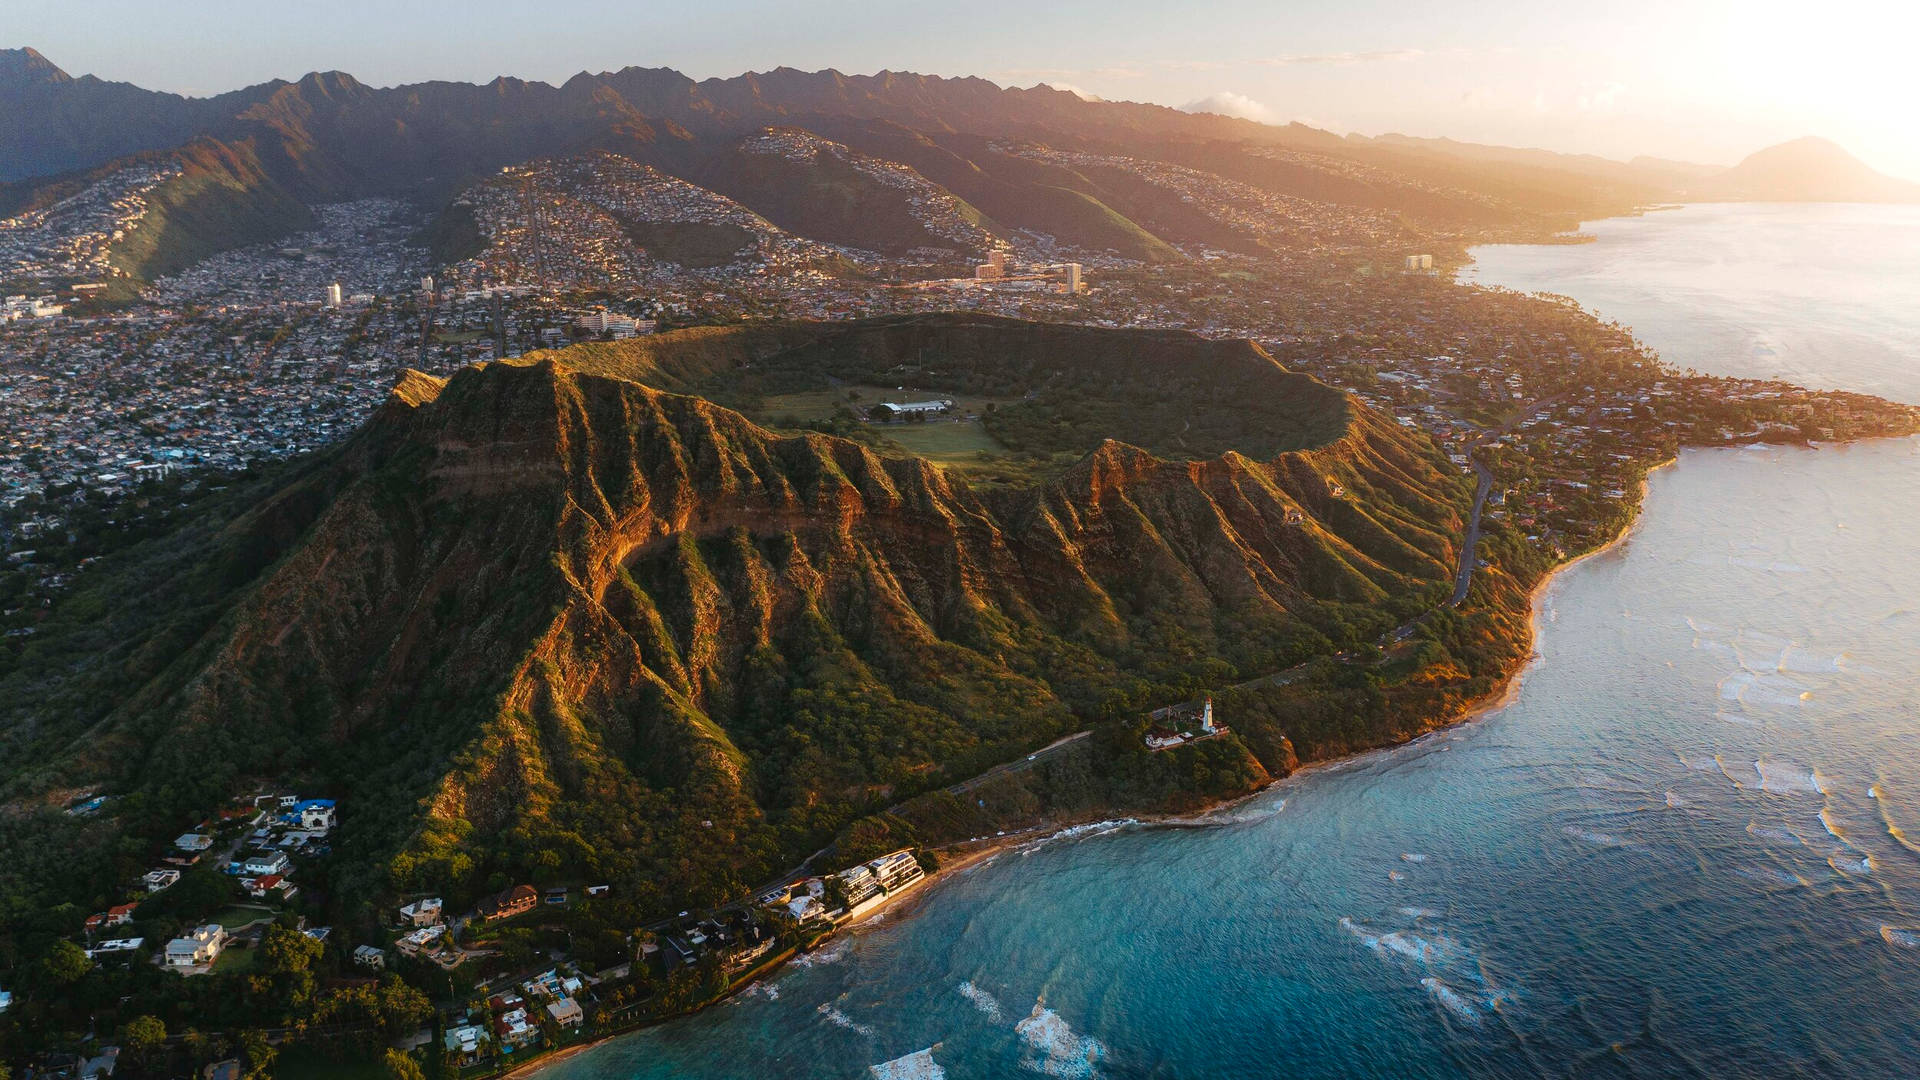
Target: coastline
[{"x": 959, "y": 857}]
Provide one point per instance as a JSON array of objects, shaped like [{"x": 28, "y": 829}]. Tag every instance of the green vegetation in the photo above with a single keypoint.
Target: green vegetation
[
  {"x": 655, "y": 645},
  {"x": 696, "y": 245},
  {"x": 453, "y": 235},
  {"x": 825, "y": 198},
  {"x": 224, "y": 199}
]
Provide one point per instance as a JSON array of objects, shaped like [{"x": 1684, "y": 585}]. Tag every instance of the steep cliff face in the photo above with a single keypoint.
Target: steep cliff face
[{"x": 537, "y": 617}]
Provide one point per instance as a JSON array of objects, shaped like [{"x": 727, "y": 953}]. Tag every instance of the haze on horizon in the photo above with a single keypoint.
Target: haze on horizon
[{"x": 1699, "y": 80}]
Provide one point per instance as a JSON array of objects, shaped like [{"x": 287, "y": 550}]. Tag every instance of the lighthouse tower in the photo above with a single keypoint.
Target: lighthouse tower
[{"x": 1206, "y": 716}]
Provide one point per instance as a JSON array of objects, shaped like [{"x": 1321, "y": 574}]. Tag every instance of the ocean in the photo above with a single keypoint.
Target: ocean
[{"x": 1689, "y": 845}]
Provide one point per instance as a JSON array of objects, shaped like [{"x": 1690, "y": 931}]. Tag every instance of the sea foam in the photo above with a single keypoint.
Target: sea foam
[
  {"x": 918, "y": 1065},
  {"x": 1062, "y": 1051},
  {"x": 985, "y": 1002}
]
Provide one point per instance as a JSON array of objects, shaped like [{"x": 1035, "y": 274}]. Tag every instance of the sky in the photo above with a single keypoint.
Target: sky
[{"x": 1698, "y": 80}]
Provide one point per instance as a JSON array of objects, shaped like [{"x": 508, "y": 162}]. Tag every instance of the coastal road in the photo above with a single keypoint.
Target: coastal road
[
  {"x": 805, "y": 869},
  {"x": 1463, "y": 580},
  {"x": 1017, "y": 764}
]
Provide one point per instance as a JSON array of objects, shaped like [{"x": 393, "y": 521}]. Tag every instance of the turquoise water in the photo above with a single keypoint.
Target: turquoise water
[{"x": 1687, "y": 847}]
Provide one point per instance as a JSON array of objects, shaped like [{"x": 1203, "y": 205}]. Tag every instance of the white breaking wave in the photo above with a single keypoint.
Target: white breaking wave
[
  {"x": 1597, "y": 839},
  {"x": 1901, "y": 937},
  {"x": 1408, "y": 946},
  {"x": 1063, "y": 1053},
  {"x": 985, "y": 1002},
  {"x": 918, "y": 1065},
  {"x": 1775, "y": 833},
  {"x": 1804, "y": 662},
  {"x": 1771, "y": 875},
  {"x": 1451, "y": 999},
  {"x": 1851, "y": 862},
  {"x": 832, "y": 954},
  {"x": 1787, "y": 778},
  {"x": 1075, "y": 832},
  {"x": 1752, "y": 688},
  {"x": 840, "y": 1019}
]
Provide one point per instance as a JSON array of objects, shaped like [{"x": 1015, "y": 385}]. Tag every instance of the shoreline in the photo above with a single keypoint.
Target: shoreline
[{"x": 964, "y": 857}]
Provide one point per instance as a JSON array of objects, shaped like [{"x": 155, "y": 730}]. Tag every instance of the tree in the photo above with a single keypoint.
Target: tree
[
  {"x": 143, "y": 1035},
  {"x": 65, "y": 963},
  {"x": 401, "y": 1008},
  {"x": 260, "y": 1055},
  {"x": 401, "y": 1066},
  {"x": 285, "y": 952}
]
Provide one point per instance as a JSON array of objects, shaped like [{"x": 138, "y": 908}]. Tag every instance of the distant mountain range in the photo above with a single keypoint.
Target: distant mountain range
[{"x": 255, "y": 158}]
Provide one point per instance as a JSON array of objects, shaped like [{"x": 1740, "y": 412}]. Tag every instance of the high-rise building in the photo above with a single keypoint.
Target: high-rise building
[
  {"x": 426, "y": 285},
  {"x": 333, "y": 295}
]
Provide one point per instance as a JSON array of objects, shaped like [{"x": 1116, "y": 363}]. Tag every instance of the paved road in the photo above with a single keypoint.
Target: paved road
[
  {"x": 1464, "y": 579},
  {"x": 1471, "y": 543},
  {"x": 1020, "y": 763}
]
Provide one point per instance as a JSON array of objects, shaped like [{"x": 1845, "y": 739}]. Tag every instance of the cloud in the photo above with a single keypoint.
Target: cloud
[
  {"x": 1340, "y": 58},
  {"x": 1228, "y": 103},
  {"x": 1601, "y": 100},
  {"x": 1083, "y": 95}
]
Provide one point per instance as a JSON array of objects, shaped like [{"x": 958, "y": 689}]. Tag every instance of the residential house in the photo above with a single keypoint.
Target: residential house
[
  {"x": 156, "y": 880},
  {"x": 515, "y": 901},
  {"x": 421, "y": 912},
  {"x": 465, "y": 1043},
  {"x": 897, "y": 870},
  {"x": 370, "y": 957},
  {"x": 115, "y": 947},
  {"x": 267, "y": 862},
  {"x": 566, "y": 1013},
  {"x": 316, "y": 815},
  {"x": 512, "y": 1028},
  {"x": 199, "y": 948},
  {"x": 421, "y": 940},
  {"x": 119, "y": 915},
  {"x": 193, "y": 842},
  {"x": 859, "y": 884},
  {"x": 267, "y": 885}
]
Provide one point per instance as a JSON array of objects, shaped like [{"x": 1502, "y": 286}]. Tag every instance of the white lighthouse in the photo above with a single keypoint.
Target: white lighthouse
[{"x": 1206, "y": 717}]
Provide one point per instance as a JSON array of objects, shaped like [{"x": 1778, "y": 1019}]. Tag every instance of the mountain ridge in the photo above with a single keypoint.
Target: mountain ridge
[{"x": 540, "y": 600}]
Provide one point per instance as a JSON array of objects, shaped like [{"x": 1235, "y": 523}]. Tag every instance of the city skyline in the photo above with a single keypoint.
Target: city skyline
[{"x": 1697, "y": 80}]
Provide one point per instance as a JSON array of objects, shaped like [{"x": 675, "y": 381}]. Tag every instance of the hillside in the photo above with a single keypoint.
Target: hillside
[
  {"x": 905, "y": 142},
  {"x": 1804, "y": 170},
  {"x": 551, "y": 600}
]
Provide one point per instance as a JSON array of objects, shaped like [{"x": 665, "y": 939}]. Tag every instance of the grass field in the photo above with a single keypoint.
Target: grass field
[
  {"x": 946, "y": 441},
  {"x": 953, "y": 441},
  {"x": 235, "y": 917},
  {"x": 231, "y": 961}
]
